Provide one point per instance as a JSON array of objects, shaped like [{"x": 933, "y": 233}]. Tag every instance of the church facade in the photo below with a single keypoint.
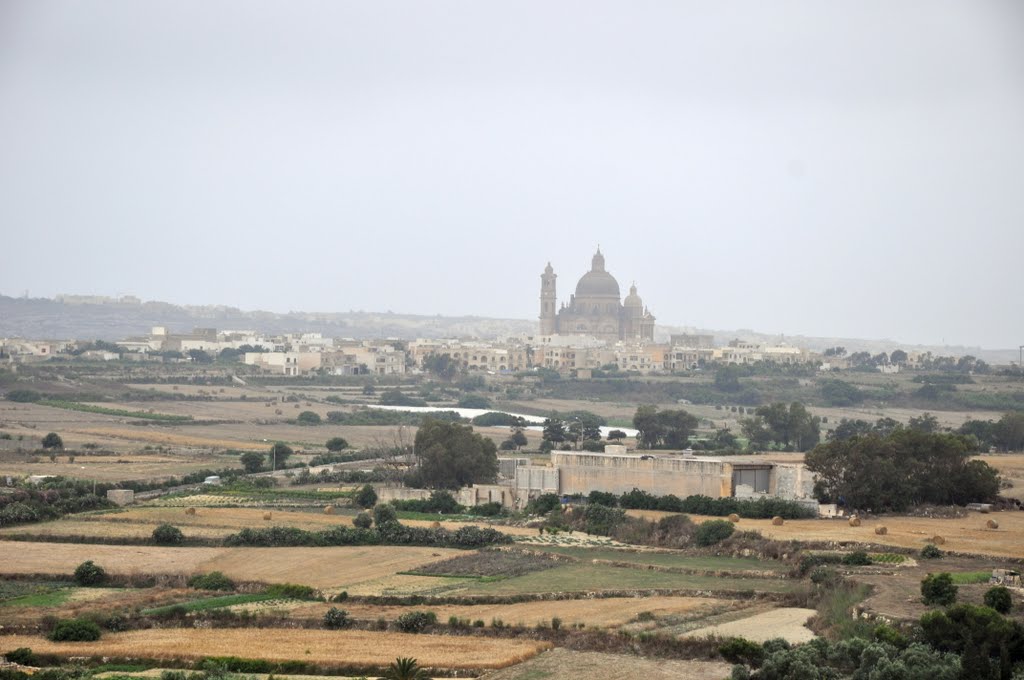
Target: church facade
[{"x": 596, "y": 308}]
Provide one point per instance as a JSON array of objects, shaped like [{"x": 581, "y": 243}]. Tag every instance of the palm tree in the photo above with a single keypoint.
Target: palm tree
[{"x": 405, "y": 668}]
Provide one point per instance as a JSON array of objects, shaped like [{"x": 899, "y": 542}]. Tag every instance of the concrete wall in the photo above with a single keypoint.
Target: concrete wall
[
  {"x": 121, "y": 496},
  {"x": 507, "y": 466},
  {"x": 537, "y": 479},
  {"x": 400, "y": 493},
  {"x": 582, "y": 472},
  {"x": 793, "y": 481},
  {"x": 478, "y": 494}
]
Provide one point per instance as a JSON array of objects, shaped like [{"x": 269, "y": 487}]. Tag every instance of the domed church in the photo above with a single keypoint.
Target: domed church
[{"x": 595, "y": 309}]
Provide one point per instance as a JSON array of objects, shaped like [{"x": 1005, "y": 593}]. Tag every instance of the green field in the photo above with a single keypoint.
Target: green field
[
  {"x": 46, "y": 598},
  {"x": 671, "y": 560},
  {"x": 103, "y": 410},
  {"x": 213, "y": 603},
  {"x": 963, "y": 578}
]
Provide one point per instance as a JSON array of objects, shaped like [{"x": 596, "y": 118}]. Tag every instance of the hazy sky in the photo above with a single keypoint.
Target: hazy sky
[{"x": 829, "y": 168}]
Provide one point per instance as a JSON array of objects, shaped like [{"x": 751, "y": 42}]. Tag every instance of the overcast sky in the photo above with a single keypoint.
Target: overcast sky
[{"x": 827, "y": 168}]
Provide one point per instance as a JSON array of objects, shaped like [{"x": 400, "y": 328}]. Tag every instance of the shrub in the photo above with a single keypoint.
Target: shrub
[
  {"x": 492, "y": 509},
  {"x": 292, "y": 591},
  {"x": 825, "y": 577},
  {"x": 363, "y": 520},
  {"x": 336, "y": 444},
  {"x": 938, "y": 589},
  {"x": 415, "y": 622},
  {"x": 543, "y": 504},
  {"x": 168, "y": 534},
  {"x": 336, "y": 618},
  {"x": 741, "y": 650},
  {"x": 857, "y": 558},
  {"x": 712, "y": 532},
  {"x": 252, "y": 461},
  {"x": 366, "y": 497},
  {"x": 308, "y": 418},
  {"x": 22, "y": 656},
  {"x": 215, "y": 580},
  {"x": 556, "y": 623},
  {"x": 999, "y": 598},
  {"x": 384, "y": 514},
  {"x": 931, "y": 552},
  {"x": 75, "y": 630},
  {"x": 53, "y": 441},
  {"x": 890, "y": 636},
  {"x": 603, "y": 498},
  {"x": 90, "y": 574}
]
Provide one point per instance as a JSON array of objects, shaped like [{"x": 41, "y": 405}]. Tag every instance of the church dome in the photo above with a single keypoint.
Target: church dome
[
  {"x": 597, "y": 282},
  {"x": 633, "y": 300}
]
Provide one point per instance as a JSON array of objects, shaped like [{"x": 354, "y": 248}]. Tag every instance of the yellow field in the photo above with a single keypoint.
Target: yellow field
[
  {"x": 335, "y": 648},
  {"x": 317, "y": 567},
  {"x": 599, "y": 612},
  {"x": 965, "y": 534}
]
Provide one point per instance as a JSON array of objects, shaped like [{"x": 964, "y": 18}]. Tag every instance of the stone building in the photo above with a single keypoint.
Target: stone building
[{"x": 595, "y": 309}]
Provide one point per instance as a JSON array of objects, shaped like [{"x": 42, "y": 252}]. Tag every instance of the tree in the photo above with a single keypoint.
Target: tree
[
  {"x": 938, "y": 589},
  {"x": 252, "y": 461},
  {"x": 898, "y": 356},
  {"x": 363, "y": 520},
  {"x": 366, "y": 497},
  {"x": 668, "y": 429},
  {"x": 840, "y": 393},
  {"x": 308, "y": 418},
  {"x": 384, "y": 514},
  {"x": 554, "y": 430},
  {"x": 474, "y": 401},
  {"x": 168, "y": 534},
  {"x": 450, "y": 455},
  {"x": 336, "y": 444},
  {"x": 278, "y": 455},
  {"x": 724, "y": 440},
  {"x": 53, "y": 441},
  {"x": 791, "y": 427},
  {"x": 440, "y": 365},
  {"x": 90, "y": 574},
  {"x": 926, "y": 422},
  {"x": 336, "y": 618},
  {"x": 1009, "y": 434},
  {"x": 75, "y": 630},
  {"x": 519, "y": 438},
  {"x": 727, "y": 378},
  {"x": 847, "y": 428},
  {"x": 713, "y": 531},
  {"x": 615, "y": 435},
  {"x": 999, "y": 598}
]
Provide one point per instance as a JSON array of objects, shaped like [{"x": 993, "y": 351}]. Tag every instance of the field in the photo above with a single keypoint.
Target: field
[
  {"x": 317, "y": 567},
  {"x": 962, "y": 534},
  {"x": 330, "y": 648},
  {"x": 787, "y": 623},
  {"x": 564, "y": 664}
]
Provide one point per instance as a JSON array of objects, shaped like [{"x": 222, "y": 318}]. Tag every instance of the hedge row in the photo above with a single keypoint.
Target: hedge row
[{"x": 391, "y": 533}]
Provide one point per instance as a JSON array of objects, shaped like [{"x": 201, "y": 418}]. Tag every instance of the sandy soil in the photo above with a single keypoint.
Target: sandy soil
[
  {"x": 787, "y": 623},
  {"x": 275, "y": 644},
  {"x": 564, "y": 664},
  {"x": 318, "y": 567}
]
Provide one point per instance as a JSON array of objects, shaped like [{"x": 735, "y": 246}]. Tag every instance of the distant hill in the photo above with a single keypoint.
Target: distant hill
[{"x": 44, "y": 318}]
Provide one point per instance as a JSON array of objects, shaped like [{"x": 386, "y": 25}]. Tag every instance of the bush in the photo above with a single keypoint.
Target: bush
[
  {"x": 308, "y": 418},
  {"x": 384, "y": 514},
  {"x": 938, "y": 589},
  {"x": 825, "y": 577},
  {"x": 492, "y": 509},
  {"x": 931, "y": 552},
  {"x": 712, "y": 532},
  {"x": 741, "y": 650},
  {"x": 415, "y": 622},
  {"x": 999, "y": 598},
  {"x": 75, "y": 630},
  {"x": 168, "y": 534},
  {"x": 603, "y": 498},
  {"x": 336, "y": 618},
  {"x": 292, "y": 591},
  {"x": 252, "y": 461},
  {"x": 366, "y": 497},
  {"x": 22, "y": 656},
  {"x": 543, "y": 504},
  {"x": 90, "y": 574},
  {"x": 336, "y": 444},
  {"x": 53, "y": 441},
  {"x": 363, "y": 520},
  {"x": 215, "y": 580},
  {"x": 857, "y": 558}
]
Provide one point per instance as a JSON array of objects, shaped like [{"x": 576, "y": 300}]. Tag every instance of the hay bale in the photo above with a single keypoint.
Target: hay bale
[
  {"x": 329, "y": 510},
  {"x": 734, "y": 518},
  {"x": 938, "y": 540},
  {"x": 190, "y": 511},
  {"x": 854, "y": 522},
  {"x": 881, "y": 531},
  {"x": 777, "y": 521},
  {"x": 267, "y": 515},
  {"x": 992, "y": 524},
  {"x": 435, "y": 525}
]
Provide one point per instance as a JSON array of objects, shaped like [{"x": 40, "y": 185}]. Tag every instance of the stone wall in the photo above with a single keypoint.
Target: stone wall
[{"x": 581, "y": 472}]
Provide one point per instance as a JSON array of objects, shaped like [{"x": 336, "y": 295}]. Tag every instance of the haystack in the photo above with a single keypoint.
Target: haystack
[
  {"x": 777, "y": 521},
  {"x": 938, "y": 540},
  {"x": 329, "y": 510},
  {"x": 881, "y": 531},
  {"x": 266, "y": 515},
  {"x": 190, "y": 511},
  {"x": 734, "y": 518},
  {"x": 854, "y": 522},
  {"x": 992, "y": 524}
]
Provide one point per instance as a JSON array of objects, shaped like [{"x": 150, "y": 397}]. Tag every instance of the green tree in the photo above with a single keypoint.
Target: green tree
[
  {"x": 668, "y": 429},
  {"x": 308, "y": 418},
  {"x": 278, "y": 455},
  {"x": 366, "y": 497},
  {"x": 519, "y": 438},
  {"x": 926, "y": 423},
  {"x": 251, "y": 461},
  {"x": 840, "y": 393},
  {"x": 363, "y": 520},
  {"x": 53, "y": 441},
  {"x": 791, "y": 427},
  {"x": 999, "y": 598},
  {"x": 847, "y": 428},
  {"x": 938, "y": 589},
  {"x": 554, "y": 430},
  {"x": 713, "y": 531},
  {"x": 615, "y": 435},
  {"x": 898, "y": 356},
  {"x": 727, "y": 378},
  {"x": 75, "y": 630},
  {"x": 1009, "y": 434},
  {"x": 384, "y": 514},
  {"x": 90, "y": 574},
  {"x": 440, "y": 365},
  {"x": 336, "y": 444},
  {"x": 474, "y": 401},
  {"x": 168, "y": 534},
  {"x": 450, "y": 455}
]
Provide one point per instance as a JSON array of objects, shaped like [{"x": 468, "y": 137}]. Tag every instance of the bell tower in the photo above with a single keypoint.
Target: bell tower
[{"x": 548, "y": 300}]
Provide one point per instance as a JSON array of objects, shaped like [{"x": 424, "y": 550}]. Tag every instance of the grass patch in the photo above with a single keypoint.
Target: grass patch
[
  {"x": 50, "y": 598},
  {"x": 697, "y": 563},
  {"x": 835, "y": 613},
  {"x": 964, "y": 578},
  {"x": 212, "y": 603},
  {"x": 887, "y": 558},
  {"x": 488, "y": 564},
  {"x": 124, "y": 413}
]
